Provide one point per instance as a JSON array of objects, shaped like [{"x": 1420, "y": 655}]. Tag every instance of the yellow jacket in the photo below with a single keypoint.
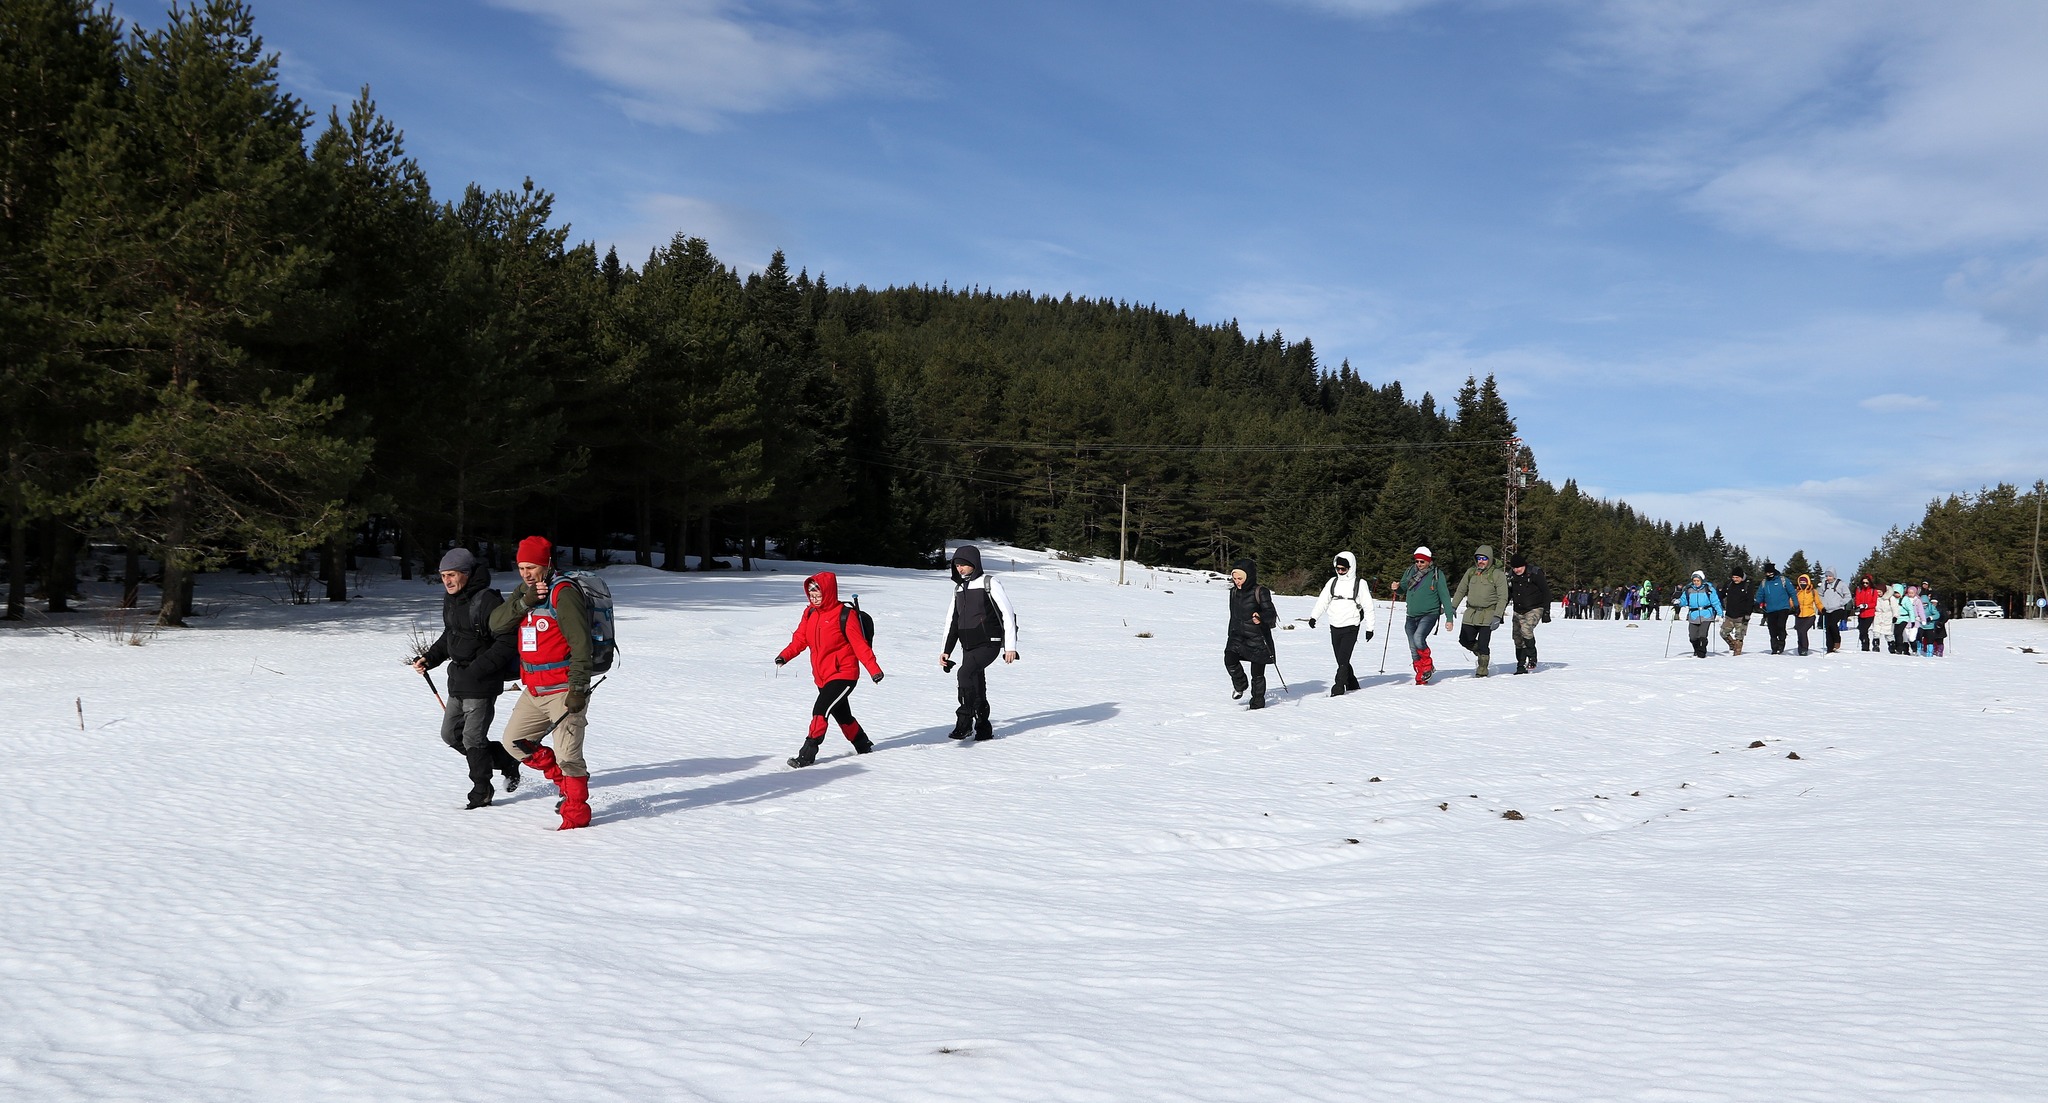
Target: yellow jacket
[{"x": 1806, "y": 599}]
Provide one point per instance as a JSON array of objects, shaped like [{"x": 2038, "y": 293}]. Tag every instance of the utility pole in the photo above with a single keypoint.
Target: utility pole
[
  {"x": 1511, "y": 507},
  {"x": 1123, "y": 534},
  {"x": 2034, "y": 585}
]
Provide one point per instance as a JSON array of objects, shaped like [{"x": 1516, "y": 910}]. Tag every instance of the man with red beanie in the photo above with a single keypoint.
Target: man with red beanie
[{"x": 554, "y": 676}]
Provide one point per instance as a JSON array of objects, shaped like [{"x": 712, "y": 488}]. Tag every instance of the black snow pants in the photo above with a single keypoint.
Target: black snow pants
[
  {"x": 1775, "y": 624},
  {"x": 972, "y": 715},
  {"x": 1342, "y": 641},
  {"x": 1233, "y": 660}
]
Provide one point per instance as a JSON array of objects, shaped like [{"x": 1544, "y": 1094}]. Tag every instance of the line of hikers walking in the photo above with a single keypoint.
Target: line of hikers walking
[{"x": 553, "y": 636}]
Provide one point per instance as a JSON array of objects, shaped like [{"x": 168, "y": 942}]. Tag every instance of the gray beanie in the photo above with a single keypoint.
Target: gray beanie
[{"x": 458, "y": 559}]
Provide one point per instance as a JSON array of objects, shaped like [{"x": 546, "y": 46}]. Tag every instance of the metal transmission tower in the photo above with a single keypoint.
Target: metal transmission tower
[{"x": 1511, "y": 508}]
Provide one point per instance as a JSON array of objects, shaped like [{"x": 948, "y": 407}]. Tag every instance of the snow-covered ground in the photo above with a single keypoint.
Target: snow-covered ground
[{"x": 250, "y": 876}]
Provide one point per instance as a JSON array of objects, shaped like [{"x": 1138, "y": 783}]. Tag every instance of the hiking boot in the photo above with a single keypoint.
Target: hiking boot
[
  {"x": 862, "y": 744},
  {"x": 478, "y": 798},
  {"x": 1257, "y": 703},
  {"x": 1480, "y": 672},
  {"x": 806, "y": 754},
  {"x": 1337, "y": 691}
]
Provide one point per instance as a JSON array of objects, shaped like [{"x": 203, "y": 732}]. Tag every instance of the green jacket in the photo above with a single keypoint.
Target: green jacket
[
  {"x": 1485, "y": 593},
  {"x": 1428, "y": 591},
  {"x": 569, "y": 612}
]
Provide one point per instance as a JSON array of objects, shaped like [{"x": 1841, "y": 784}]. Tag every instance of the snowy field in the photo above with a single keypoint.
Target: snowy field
[{"x": 250, "y": 876}]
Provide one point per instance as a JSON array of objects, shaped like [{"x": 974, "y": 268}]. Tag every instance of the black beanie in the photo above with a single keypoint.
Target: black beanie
[{"x": 1518, "y": 560}]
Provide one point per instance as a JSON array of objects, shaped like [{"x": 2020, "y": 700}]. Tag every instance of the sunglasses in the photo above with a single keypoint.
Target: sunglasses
[
  {"x": 1482, "y": 559},
  {"x": 1341, "y": 566}
]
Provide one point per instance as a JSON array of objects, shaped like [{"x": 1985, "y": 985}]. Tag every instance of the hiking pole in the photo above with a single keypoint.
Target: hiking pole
[
  {"x": 566, "y": 715},
  {"x": 432, "y": 688},
  {"x": 1390, "y": 636},
  {"x": 1667, "y": 637}
]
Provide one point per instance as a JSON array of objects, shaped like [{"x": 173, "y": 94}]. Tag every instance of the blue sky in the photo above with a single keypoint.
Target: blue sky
[{"x": 1777, "y": 265}]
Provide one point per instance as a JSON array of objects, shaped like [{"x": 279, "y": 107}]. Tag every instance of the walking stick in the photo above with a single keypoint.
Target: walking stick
[
  {"x": 1667, "y": 637},
  {"x": 1384, "y": 644},
  {"x": 435, "y": 690}
]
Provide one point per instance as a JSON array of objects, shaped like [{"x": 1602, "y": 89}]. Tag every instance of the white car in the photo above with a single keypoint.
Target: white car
[{"x": 1982, "y": 607}]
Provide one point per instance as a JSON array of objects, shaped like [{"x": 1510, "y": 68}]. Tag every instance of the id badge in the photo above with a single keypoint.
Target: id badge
[{"x": 529, "y": 638}]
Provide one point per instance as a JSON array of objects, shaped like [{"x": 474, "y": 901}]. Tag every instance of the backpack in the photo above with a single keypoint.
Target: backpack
[
  {"x": 597, "y": 598},
  {"x": 867, "y": 623}
]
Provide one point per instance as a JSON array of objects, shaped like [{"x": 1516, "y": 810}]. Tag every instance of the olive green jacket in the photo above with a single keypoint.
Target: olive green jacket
[{"x": 1485, "y": 593}]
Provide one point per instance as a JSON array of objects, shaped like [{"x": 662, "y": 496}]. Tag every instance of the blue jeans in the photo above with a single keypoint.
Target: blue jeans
[{"x": 1419, "y": 629}]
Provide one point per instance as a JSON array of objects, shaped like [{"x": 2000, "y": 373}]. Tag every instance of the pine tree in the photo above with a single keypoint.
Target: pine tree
[
  {"x": 192, "y": 221},
  {"x": 55, "y": 55}
]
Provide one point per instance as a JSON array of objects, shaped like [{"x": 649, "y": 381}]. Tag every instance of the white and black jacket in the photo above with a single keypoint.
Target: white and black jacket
[
  {"x": 980, "y": 614},
  {"x": 1344, "y": 598}
]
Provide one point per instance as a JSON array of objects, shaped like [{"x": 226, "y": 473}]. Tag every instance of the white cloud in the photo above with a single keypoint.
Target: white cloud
[
  {"x": 2013, "y": 295},
  {"x": 740, "y": 236},
  {"x": 696, "y": 63},
  {"x": 1898, "y": 403},
  {"x": 1883, "y": 126}
]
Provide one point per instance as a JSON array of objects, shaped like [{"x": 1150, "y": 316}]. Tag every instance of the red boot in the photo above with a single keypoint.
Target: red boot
[
  {"x": 1425, "y": 667},
  {"x": 575, "y": 802}
]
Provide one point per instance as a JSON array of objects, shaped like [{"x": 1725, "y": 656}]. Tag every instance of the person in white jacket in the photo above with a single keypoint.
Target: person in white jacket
[
  {"x": 1344, "y": 598},
  {"x": 982, "y": 622}
]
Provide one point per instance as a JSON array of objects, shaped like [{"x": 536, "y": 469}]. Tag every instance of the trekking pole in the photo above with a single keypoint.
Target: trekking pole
[
  {"x": 1667, "y": 637},
  {"x": 565, "y": 715},
  {"x": 433, "y": 689},
  {"x": 1390, "y": 635}
]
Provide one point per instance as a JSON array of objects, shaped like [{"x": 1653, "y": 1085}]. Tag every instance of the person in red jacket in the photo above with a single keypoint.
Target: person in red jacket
[
  {"x": 831, "y": 632},
  {"x": 555, "y": 661},
  {"x": 1866, "y": 611}
]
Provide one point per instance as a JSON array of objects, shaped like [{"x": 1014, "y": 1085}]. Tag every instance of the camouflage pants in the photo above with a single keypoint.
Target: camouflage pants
[
  {"x": 1733, "y": 629},
  {"x": 1525, "y": 625}
]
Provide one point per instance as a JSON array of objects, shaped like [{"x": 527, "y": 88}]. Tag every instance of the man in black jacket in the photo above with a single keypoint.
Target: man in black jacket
[
  {"x": 1529, "y": 592},
  {"x": 478, "y": 665},
  {"x": 1737, "y": 603},
  {"x": 1250, "y": 639}
]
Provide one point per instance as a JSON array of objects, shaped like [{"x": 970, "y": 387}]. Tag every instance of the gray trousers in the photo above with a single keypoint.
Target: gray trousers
[{"x": 467, "y": 723}]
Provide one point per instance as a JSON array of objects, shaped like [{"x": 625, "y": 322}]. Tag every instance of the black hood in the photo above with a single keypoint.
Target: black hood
[
  {"x": 1251, "y": 572},
  {"x": 970, "y": 555}
]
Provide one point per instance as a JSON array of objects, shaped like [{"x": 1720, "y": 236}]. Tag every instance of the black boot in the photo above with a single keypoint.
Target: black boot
[
  {"x": 481, "y": 763},
  {"x": 507, "y": 766},
  {"x": 808, "y": 753},
  {"x": 1338, "y": 689},
  {"x": 1532, "y": 656},
  {"x": 861, "y": 743},
  {"x": 1521, "y": 658}
]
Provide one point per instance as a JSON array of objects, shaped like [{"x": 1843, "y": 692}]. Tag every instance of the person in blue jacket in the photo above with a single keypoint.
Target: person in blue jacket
[
  {"x": 1775, "y": 598},
  {"x": 1700, "y": 605}
]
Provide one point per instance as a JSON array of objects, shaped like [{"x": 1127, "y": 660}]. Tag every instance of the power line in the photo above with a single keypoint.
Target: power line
[{"x": 1083, "y": 446}]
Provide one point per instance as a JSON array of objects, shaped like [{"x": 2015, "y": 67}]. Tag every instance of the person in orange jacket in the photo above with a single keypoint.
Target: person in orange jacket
[
  {"x": 831, "y": 632},
  {"x": 1806, "y": 608}
]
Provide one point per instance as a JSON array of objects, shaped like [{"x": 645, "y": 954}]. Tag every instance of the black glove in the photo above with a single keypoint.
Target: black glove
[
  {"x": 946, "y": 666},
  {"x": 579, "y": 699},
  {"x": 1368, "y": 633},
  {"x": 1311, "y": 622},
  {"x": 878, "y": 675},
  {"x": 779, "y": 660}
]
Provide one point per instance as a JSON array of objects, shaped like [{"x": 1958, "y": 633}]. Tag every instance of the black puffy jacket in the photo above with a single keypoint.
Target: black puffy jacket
[
  {"x": 1253, "y": 642},
  {"x": 479, "y": 664},
  {"x": 1528, "y": 590}
]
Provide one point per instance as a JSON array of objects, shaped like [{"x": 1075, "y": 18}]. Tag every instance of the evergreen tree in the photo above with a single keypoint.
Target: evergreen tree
[
  {"x": 192, "y": 222},
  {"x": 55, "y": 55}
]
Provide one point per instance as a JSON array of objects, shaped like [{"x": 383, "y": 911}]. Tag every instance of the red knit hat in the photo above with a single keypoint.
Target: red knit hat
[{"x": 536, "y": 549}]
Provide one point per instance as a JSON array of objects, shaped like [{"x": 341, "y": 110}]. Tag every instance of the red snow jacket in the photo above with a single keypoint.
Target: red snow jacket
[
  {"x": 1866, "y": 600},
  {"x": 835, "y": 653}
]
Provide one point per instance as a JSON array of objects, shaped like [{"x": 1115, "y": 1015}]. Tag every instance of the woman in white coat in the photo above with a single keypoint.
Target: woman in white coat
[{"x": 1344, "y": 599}]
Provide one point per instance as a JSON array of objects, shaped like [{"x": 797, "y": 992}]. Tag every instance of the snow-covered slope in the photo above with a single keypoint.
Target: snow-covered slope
[{"x": 250, "y": 876}]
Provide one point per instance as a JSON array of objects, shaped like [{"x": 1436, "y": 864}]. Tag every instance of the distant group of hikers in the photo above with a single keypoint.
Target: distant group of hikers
[
  {"x": 1902, "y": 618},
  {"x": 553, "y": 637}
]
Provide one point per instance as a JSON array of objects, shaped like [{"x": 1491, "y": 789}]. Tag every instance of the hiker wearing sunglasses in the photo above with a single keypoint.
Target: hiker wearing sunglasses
[
  {"x": 1484, "y": 590},
  {"x": 1344, "y": 597}
]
